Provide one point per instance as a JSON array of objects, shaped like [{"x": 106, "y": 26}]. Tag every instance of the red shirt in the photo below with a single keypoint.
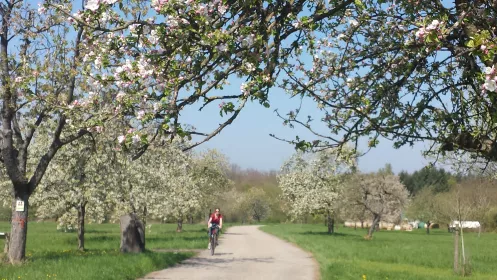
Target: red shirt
[{"x": 216, "y": 220}]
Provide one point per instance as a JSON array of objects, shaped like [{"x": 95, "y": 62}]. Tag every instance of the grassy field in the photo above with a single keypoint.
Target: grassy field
[
  {"x": 391, "y": 254},
  {"x": 54, "y": 255}
]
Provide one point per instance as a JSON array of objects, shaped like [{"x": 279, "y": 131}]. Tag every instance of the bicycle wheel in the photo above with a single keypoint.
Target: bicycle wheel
[{"x": 213, "y": 243}]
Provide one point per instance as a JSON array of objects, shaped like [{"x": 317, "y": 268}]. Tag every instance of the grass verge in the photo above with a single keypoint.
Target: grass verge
[{"x": 54, "y": 255}]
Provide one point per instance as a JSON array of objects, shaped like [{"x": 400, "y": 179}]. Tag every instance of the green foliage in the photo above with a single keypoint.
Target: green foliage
[
  {"x": 428, "y": 177},
  {"x": 490, "y": 219},
  {"x": 391, "y": 255},
  {"x": 387, "y": 170},
  {"x": 245, "y": 182}
]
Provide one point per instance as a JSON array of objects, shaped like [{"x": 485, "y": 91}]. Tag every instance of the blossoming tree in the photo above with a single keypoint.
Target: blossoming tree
[
  {"x": 40, "y": 84},
  {"x": 210, "y": 174},
  {"x": 145, "y": 61},
  {"x": 164, "y": 56},
  {"x": 407, "y": 71},
  {"x": 76, "y": 171},
  {"x": 383, "y": 196},
  {"x": 254, "y": 204},
  {"x": 315, "y": 186}
]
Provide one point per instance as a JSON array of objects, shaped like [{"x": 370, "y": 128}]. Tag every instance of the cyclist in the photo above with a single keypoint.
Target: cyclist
[{"x": 215, "y": 220}]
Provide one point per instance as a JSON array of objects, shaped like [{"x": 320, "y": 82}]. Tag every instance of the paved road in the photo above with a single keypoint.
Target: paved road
[{"x": 245, "y": 252}]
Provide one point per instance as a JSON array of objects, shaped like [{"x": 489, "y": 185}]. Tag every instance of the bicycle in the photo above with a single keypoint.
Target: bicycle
[{"x": 214, "y": 235}]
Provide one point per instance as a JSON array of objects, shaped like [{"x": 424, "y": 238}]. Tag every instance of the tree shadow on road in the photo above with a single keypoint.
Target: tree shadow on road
[
  {"x": 223, "y": 254},
  {"x": 213, "y": 261}
]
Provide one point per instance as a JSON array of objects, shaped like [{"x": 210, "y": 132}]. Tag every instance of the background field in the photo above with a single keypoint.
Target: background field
[{"x": 391, "y": 254}]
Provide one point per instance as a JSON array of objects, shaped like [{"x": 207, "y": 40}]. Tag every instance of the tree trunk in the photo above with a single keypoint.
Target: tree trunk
[
  {"x": 331, "y": 223},
  {"x": 258, "y": 218},
  {"x": 191, "y": 219},
  {"x": 362, "y": 224},
  {"x": 19, "y": 229},
  {"x": 428, "y": 227},
  {"x": 462, "y": 251},
  {"x": 180, "y": 225},
  {"x": 376, "y": 220},
  {"x": 145, "y": 214},
  {"x": 456, "y": 251},
  {"x": 81, "y": 227}
]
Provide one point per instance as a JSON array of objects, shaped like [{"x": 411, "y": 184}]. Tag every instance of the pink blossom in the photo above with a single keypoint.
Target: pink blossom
[
  {"x": 222, "y": 9},
  {"x": 433, "y": 25},
  {"x": 490, "y": 70},
  {"x": 93, "y": 5},
  {"x": 420, "y": 34},
  {"x": 136, "y": 139},
  {"x": 222, "y": 48},
  {"x": 41, "y": 9},
  {"x": 244, "y": 89},
  {"x": 490, "y": 85},
  {"x": 140, "y": 114}
]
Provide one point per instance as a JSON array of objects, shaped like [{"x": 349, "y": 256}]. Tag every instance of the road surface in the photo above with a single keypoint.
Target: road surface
[{"x": 245, "y": 252}]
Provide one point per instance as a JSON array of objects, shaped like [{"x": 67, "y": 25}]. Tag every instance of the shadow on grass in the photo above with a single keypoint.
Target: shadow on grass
[
  {"x": 155, "y": 257},
  {"x": 177, "y": 238},
  {"x": 55, "y": 255},
  {"x": 102, "y": 238},
  {"x": 323, "y": 233},
  {"x": 91, "y": 231}
]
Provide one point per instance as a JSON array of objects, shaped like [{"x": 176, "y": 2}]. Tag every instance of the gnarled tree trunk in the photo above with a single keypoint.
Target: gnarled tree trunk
[
  {"x": 428, "y": 227},
  {"x": 81, "y": 227},
  {"x": 376, "y": 220},
  {"x": 180, "y": 225},
  {"x": 19, "y": 228}
]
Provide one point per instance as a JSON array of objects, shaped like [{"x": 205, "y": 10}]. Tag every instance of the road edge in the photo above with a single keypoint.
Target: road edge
[{"x": 317, "y": 267}]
